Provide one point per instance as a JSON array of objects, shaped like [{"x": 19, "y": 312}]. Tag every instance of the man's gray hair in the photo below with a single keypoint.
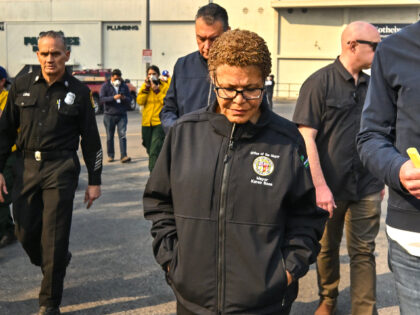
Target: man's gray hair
[{"x": 55, "y": 35}]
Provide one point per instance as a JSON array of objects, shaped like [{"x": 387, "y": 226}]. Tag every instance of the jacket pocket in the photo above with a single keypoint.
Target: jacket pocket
[
  {"x": 69, "y": 110},
  {"x": 27, "y": 106},
  {"x": 255, "y": 271},
  {"x": 25, "y": 101},
  {"x": 173, "y": 263},
  {"x": 192, "y": 271},
  {"x": 334, "y": 104},
  {"x": 339, "y": 112}
]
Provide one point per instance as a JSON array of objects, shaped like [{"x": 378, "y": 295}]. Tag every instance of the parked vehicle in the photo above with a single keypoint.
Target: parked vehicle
[{"x": 94, "y": 78}]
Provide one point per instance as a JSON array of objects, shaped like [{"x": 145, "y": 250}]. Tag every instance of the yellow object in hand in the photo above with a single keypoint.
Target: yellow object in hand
[{"x": 414, "y": 156}]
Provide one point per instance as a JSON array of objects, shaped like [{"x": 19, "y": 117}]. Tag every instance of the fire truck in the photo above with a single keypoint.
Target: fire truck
[{"x": 94, "y": 80}]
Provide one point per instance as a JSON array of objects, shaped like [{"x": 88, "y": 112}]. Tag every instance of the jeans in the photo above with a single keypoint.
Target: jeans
[
  {"x": 361, "y": 219},
  {"x": 406, "y": 270},
  {"x": 110, "y": 122}
]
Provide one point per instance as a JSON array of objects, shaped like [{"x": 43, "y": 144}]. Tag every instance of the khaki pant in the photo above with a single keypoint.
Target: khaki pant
[{"x": 361, "y": 219}]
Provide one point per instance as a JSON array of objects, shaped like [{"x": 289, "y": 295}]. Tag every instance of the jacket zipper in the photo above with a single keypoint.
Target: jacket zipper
[
  {"x": 222, "y": 225},
  {"x": 209, "y": 95}
]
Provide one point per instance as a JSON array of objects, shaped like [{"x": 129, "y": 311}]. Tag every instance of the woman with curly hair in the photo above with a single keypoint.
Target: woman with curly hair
[{"x": 235, "y": 224}]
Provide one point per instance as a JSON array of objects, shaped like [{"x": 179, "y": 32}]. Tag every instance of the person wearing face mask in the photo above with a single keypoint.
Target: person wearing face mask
[
  {"x": 116, "y": 97},
  {"x": 151, "y": 96}
]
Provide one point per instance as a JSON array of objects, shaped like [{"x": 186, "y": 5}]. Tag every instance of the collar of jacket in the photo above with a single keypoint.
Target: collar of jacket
[
  {"x": 65, "y": 78},
  {"x": 201, "y": 58},
  {"x": 223, "y": 126}
]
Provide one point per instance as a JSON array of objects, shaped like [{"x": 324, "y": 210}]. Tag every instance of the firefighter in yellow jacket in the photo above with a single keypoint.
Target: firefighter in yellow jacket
[{"x": 151, "y": 96}]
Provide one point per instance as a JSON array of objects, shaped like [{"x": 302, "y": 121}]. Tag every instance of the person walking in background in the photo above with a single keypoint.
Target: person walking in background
[
  {"x": 269, "y": 88},
  {"x": 190, "y": 87},
  {"x": 328, "y": 114},
  {"x": 7, "y": 234},
  {"x": 52, "y": 110},
  {"x": 389, "y": 126},
  {"x": 151, "y": 95},
  {"x": 116, "y": 97}
]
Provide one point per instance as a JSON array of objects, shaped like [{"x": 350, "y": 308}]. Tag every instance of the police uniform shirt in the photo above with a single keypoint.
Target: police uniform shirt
[
  {"x": 51, "y": 119},
  {"x": 331, "y": 102}
]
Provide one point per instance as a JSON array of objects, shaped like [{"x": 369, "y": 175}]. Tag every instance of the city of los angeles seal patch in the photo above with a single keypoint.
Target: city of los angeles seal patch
[{"x": 263, "y": 166}]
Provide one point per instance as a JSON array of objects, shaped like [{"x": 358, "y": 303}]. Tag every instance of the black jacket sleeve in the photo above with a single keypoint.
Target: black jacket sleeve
[
  {"x": 158, "y": 206},
  {"x": 91, "y": 142},
  {"x": 9, "y": 123},
  {"x": 305, "y": 221},
  {"x": 375, "y": 141},
  {"x": 169, "y": 113}
]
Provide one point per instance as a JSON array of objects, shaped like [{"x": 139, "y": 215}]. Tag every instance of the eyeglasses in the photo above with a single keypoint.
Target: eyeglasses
[
  {"x": 230, "y": 94},
  {"x": 373, "y": 45}
]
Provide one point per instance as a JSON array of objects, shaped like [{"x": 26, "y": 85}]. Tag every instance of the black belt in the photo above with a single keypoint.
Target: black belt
[{"x": 47, "y": 155}]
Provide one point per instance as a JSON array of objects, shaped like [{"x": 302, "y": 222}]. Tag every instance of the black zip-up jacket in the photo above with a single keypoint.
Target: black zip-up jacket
[
  {"x": 390, "y": 121},
  {"x": 190, "y": 89},
  {"x": 232, "y": 207}
]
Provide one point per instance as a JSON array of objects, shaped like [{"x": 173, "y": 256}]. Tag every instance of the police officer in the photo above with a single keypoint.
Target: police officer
[{"x": 51, "y": 109}]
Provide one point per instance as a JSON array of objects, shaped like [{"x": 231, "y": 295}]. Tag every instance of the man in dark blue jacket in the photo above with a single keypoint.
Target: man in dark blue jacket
[
  {"x": 190, "y": 87},
  {"x": 389, "y": 126},
  {"x": 116, "y": 98}
]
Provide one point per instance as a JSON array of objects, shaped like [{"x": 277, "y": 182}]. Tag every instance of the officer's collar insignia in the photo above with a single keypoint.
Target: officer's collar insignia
[
  {"x": 263, "y": 166},
  {"x": 36, "y": 78},
  {"x": 69, "y": 99},
  {"x": 66, "y": 83},
  {"x": 26, "y": 94}
]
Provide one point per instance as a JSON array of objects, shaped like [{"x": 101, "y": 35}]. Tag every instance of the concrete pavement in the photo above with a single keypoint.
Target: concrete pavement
[{"x": 113, "y": 270}]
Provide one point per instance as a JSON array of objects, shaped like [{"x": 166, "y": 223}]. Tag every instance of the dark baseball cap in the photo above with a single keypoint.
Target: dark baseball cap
[{"x": 3, "y": 74}]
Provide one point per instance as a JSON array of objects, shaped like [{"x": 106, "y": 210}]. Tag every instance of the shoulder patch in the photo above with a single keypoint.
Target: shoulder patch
[{"x": 304, "y": 160}]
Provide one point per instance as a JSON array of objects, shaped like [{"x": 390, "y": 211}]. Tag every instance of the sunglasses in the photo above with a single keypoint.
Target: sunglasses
[{"x": 373, "y": 45}]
